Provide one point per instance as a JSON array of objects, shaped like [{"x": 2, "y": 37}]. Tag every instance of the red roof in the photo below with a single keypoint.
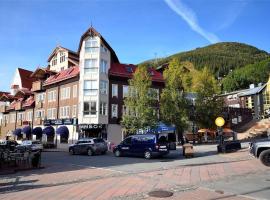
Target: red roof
[
  {"x": 23, "y": 92},
  {"x": 28, "y": 102},
  {"x": 7, "y": 97},
  {"x": 127, "y": 70},
  {"x": 26, "y": 78},
  {"x": 63, "y": 75}
]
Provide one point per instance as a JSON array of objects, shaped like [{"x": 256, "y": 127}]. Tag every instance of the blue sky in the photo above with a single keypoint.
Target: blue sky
[{"x": 136, "y": 29}]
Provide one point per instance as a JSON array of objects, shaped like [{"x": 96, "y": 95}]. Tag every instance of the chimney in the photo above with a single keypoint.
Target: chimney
[{"x": 251, "y": 86}]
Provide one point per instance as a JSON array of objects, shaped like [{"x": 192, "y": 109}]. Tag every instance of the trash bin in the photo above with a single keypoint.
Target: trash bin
[
  {"x": 188, "y": 150},
  {"x": 36, "y": 159}
]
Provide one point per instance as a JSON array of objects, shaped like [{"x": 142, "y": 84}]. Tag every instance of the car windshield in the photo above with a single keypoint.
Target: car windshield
[{"x": 26, "y": 142}]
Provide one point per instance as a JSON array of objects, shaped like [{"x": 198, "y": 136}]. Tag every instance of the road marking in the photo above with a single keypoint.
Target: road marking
[{"x": 101, "y": 168}]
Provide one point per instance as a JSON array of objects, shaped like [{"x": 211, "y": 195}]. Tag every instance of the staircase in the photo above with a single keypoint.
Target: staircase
[{"x": 255, "y": 128}]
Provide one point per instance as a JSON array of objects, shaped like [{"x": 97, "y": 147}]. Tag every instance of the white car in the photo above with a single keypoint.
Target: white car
[{"x": 30, "y": 146}]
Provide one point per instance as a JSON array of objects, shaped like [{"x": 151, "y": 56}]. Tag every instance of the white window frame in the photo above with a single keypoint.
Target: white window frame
[
  {"x": 90, "y": 107},
  {"x": 114, "y": 111},
  {"x": 125, "y": 94},
  {"x": 103, "y": 108},
  {"x": 75, "y": 91},
  {"x": 103, "y": 87},
  {"x": 92, "y": 67},
  {"x": 115, "y": 90},
  {"x": 90, "y": 87},
  {"x": 104, "y": 66},
  {"x": 65, "y": 93}
]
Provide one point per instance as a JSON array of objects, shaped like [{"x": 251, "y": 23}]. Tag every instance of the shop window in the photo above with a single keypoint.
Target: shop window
[{"x": 64, "y": 139}]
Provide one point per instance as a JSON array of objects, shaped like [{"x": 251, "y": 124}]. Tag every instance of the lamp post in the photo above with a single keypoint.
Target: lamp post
[{"x": 193, "y": 118}]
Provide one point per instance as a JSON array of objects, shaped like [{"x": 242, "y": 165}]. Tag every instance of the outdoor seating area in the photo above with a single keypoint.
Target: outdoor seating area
[{"x": 13, "y": 160}]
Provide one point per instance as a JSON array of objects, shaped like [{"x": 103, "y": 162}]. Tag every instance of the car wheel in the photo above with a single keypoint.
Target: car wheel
[
  {"x": 71, "y": 152},
  {"x": 89, "y": 152},
  {"x": 147, "y": 154},
  {"x": 265, "y": 157},
  {"x": 117, "y": 153}
]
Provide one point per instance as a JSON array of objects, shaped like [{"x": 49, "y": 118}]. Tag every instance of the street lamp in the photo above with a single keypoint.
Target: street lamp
[{"x": 193, "y": 119}]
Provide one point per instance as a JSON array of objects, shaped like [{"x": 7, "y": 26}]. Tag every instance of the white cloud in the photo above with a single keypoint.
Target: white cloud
[{"x": 190, "y": 17}]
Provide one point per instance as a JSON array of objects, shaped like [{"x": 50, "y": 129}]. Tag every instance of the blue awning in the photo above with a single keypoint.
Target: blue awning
[
  {"x": 17, "y": 132},
  {"x": 48, "y": 131},
  {"x": 37, "y": 131},
  {"x": 27, "y": 130},
  {"x": 63, "y": 131}
]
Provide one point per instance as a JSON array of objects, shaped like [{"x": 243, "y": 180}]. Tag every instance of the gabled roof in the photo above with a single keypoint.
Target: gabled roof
[
  {"x": 23, "y": 92},
  {"x": 26, "y": 78},
  {"x": 92, "y": 32},
  {"x": 127, "y": 70},
  {"x": 7, "y": 97},
  {"x": 63, "y": 75},
  {"x": 252, "y": 91},
  {"x": 42, "y": 72},
  {"x": 72, "y": 54}
]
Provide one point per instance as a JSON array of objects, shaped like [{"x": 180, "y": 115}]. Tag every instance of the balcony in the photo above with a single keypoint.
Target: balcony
[
  {"x": 3, "y": 109},
  {"x": 36, "y": 86},
  {"x": 39, "y": 105},
  {"x": 18, "y": 106}
]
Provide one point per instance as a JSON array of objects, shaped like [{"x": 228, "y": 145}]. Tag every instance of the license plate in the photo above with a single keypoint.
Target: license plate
[{"x": 162, "y": 149}]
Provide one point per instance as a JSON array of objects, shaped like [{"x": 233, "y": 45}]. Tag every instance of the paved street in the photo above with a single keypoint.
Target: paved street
[{"x": 207, "y": 176}]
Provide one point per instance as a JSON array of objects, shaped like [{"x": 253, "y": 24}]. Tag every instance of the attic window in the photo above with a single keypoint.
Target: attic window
[{"x": 129, "y": 69}]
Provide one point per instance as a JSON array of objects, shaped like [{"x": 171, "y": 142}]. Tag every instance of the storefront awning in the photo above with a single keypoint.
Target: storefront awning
[
  {"x": 37, "y": 131},
  {"x": 48, "y": 131},
  {"x": 27, "y": 130},
  {"x": 17, "y": 132},
  {"x": 63, "y": 131}
]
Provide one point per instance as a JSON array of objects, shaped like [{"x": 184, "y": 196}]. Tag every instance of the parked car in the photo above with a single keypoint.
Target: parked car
[
  {"x": 9, "y": 145},
  {"x": 89, "y": 146},
  {"x": 261, "y": 149},
  {"x": 28, "y": 145},
  {"x": 147, "y": 145}
]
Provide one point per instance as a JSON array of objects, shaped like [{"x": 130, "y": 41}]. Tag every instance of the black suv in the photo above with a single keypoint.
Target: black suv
[{"x": 89, "y": 146}]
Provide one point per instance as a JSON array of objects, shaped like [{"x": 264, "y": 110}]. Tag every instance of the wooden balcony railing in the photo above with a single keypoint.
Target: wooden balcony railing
[{"x": 36, "y": 86}]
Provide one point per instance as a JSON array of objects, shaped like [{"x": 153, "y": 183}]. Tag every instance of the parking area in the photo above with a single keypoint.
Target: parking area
[{"x": 67, "y": 176}]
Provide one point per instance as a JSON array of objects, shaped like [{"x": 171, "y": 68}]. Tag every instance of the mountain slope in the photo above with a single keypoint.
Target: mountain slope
[{"x": 220, "y": 58}]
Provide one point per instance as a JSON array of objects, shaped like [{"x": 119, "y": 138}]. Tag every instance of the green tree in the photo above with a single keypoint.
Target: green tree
[
  {"x": 208, "y": 105},
  {"x": 140, "y": 112},
  {"x": 173, "y": 103}
]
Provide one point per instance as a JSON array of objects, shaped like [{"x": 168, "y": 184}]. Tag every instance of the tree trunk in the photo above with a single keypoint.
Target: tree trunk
[{"x": 180, "y": 135}]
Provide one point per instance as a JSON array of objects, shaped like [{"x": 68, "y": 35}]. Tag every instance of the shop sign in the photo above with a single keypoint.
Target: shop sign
[
  {"x": 56, "y": 122},
  {"x": 68, "y": 121},
  {"x": 91, "y": 126}
]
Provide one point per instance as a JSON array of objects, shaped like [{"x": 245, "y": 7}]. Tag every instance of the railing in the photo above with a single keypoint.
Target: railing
[{"x": 36, "y": 86}]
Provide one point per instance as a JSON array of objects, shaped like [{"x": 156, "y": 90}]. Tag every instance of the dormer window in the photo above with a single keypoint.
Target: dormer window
[
  {"x": 62, "y": 57},
  {"x": 54, "y": 61}
]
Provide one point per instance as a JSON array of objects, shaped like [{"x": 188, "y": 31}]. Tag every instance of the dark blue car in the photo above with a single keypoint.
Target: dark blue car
[{"x": 147, "y": 145}]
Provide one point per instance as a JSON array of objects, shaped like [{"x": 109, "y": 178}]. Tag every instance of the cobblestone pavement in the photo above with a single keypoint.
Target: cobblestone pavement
[{"x": 185, "y": 181}]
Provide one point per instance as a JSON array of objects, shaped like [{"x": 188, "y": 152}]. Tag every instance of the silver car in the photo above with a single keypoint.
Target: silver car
[
  {"x": 28, "y": 145},
  {"x": 89, "y": 146}
]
